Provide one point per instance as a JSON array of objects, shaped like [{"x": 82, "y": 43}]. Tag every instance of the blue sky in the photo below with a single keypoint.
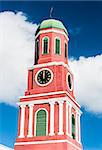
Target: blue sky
[{"x": 84, "y": 23}]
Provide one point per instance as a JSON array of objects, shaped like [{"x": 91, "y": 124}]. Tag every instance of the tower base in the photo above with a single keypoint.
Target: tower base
[{"x": 47, "y": 145}]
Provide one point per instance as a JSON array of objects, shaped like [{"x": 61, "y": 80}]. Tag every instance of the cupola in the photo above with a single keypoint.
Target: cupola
[
  {"x": 51, "y": 23},
  {"x": 51, "y": 42}
]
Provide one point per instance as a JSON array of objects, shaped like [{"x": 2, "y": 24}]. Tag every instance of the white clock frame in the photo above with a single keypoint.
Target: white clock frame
[{"x": 48, "y": 81}]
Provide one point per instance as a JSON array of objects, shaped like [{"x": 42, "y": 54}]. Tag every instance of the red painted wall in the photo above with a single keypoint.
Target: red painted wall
[{"x": 58, "y": 84}]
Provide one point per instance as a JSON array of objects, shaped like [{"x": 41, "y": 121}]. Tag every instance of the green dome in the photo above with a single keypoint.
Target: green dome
[{"x": 52, "y": 23}]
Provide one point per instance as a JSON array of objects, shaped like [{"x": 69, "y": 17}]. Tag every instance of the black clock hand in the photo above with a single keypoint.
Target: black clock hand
[{"x": 44, "y": 74}]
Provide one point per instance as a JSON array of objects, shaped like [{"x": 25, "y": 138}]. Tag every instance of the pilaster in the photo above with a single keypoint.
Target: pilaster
[
  {"x": 60, "y": 132},
  {"x": 30, "y": 120},
  {"x": 22, "y": 121},
  {"x": 51, "y": 118}
]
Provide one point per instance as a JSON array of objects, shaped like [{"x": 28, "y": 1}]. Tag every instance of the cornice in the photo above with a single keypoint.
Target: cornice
[{"x": 50, "y": 64}]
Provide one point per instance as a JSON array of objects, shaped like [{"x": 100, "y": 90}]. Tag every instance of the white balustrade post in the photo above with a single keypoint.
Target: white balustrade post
[
  {"x": 60, "y": 132},
  {"x": 22, "y": 121},
  {"x": 51, "y": 118},
  {"x": 30, "y": 120}
]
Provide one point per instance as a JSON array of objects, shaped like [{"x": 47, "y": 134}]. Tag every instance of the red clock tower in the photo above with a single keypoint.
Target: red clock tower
[{"x": 49, "y": 115}]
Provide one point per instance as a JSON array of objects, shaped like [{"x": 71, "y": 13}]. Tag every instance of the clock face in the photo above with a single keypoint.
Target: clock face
[
  {"x": 69, "y": 82},
  {"x": 44, "y": 77}
]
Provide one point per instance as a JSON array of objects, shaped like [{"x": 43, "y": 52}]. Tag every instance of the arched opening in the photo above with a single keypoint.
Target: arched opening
[
  {"x": 66, "y": 50},
  {"x": 41, "y": 123},
  {"x": 36, "y": 51},
  {"x": 57, "y": 46},
  {"x": 73, "y": 126},
  {"x": 45, "y": 45},
  {"x": 69, "y": 81}
]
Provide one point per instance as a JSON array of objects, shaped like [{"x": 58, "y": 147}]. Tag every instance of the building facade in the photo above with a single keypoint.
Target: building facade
[{"x": 49, "y": 115}]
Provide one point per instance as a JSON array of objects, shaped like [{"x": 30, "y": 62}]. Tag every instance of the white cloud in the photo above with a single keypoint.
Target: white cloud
[
  {"x": 88, "y": 82},
  {"x": 3, "y": 147},
  {"x": 16, "y": 53}
]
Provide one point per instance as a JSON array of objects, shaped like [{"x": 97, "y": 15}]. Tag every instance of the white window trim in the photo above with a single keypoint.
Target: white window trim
[
  {"x": 55, "y": 45},
  {"x": 71, "y": 81},
  {"x": 43, "y": 45},
  {"x": 46, "y": 121},
  {"x": 47, "y": 82},
  {"x": 73, "y": 114}
]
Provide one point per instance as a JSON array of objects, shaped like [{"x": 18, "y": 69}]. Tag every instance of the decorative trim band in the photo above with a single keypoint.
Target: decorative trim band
[
  {"x": 51, "y": 64},
  {"x": 45, "y": 101},
  {"x": 50, "y": 93},
  {"x": 52, "y": 30},
  {"x": 48, "y": 142},
  {"x": 42, "y": 101}
]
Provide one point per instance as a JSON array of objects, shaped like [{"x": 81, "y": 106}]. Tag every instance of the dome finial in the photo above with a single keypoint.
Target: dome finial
[{"x": 51, "y": 10}]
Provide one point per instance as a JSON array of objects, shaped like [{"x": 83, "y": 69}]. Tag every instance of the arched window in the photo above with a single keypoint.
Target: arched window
[
  {"x": 36, "y": 51},
  {"x": 66, "y": 50},
  {"x": 57, "y": 46},
  {"x": 45, "y": 45},
  {"x": 73, "y": 126},
  {"x": 41, "y": 123},
  {"x": 69, "y": 81}
]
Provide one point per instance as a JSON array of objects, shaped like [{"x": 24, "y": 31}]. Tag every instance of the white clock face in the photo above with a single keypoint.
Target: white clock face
[
  {"x": 69, "y": 81},
  {"x": 44, "y": 77}
]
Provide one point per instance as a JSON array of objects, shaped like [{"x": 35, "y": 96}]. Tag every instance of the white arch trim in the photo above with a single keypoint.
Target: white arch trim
[
  {"x": 43, "y": 44},
  {"x": 46, "y": 120},
  {"x": 55, "y": 45}
]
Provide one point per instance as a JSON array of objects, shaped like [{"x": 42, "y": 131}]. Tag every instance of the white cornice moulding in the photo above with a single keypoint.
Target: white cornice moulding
[
  {"x": 45, "y": 101},
  {"x": 50, "y": 93},
  {"x": 52, "y": 30},
  {"x": 42, "y": 101},
  {"x": 51, "y": 64},
  {"x": 46, "y": 142}
]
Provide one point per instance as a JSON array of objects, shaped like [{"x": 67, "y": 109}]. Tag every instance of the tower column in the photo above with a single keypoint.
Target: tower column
[
  {"x": 70, "y": 120},
  {"x": 60, "y": 132},
  {"x": 30, "y": 120},
  {"x": 22, "y": 120},
  {"x": 51, "y": 118}
]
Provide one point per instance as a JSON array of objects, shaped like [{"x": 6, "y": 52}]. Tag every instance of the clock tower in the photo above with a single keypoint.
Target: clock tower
[{"x": 49, "y": 115}]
